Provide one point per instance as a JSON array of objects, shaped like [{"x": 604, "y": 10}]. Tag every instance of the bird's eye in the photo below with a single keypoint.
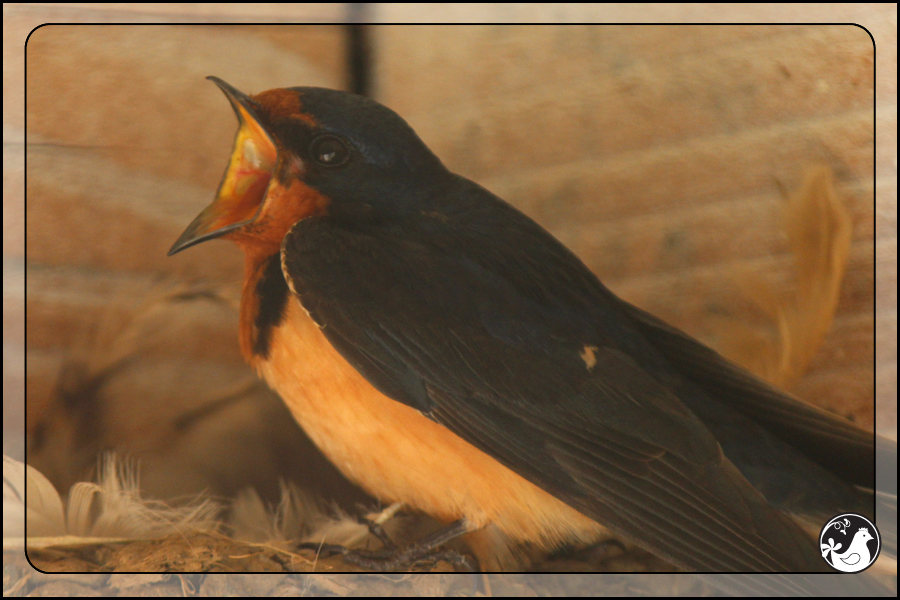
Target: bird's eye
[{"x": 329, "y": 151}]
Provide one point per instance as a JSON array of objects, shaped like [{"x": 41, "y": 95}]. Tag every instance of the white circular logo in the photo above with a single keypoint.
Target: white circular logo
[{"x": 850, "y": 543}]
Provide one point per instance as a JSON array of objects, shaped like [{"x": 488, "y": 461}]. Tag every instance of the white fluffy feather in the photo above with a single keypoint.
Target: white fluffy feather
[{"x": 111, "y": 509}]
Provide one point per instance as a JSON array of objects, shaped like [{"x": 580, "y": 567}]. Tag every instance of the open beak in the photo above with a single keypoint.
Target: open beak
[{"x": 246, "y": 181}]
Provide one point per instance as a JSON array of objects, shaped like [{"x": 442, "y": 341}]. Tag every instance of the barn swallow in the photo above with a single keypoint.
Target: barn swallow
[{"x": 447, "y": 352}]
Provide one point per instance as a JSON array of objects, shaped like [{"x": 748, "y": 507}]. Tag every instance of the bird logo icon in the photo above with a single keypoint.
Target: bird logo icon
[{"x": 859, "y": 553}]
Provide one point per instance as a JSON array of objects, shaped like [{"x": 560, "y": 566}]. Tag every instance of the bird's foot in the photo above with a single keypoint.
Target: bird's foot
[
  {"x": 378, "y": 531},
  {"x": 393, "y": 558}
]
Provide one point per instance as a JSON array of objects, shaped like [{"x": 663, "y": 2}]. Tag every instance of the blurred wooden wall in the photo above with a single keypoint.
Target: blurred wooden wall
[{"x": 126, "y": 348}]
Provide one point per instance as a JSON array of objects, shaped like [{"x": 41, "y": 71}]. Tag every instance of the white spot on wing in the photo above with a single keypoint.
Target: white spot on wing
[{"x": 587, "y": 355}]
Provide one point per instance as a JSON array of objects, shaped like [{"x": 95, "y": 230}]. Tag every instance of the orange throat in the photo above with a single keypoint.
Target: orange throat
[{"x": 285, "y": 205}]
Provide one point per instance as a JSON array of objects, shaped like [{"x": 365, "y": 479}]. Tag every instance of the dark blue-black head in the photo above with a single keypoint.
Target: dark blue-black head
[{"x": 307, "y": 151}]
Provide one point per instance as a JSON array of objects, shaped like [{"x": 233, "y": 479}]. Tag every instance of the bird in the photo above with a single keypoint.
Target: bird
[{"x": 445, "y": 351}]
